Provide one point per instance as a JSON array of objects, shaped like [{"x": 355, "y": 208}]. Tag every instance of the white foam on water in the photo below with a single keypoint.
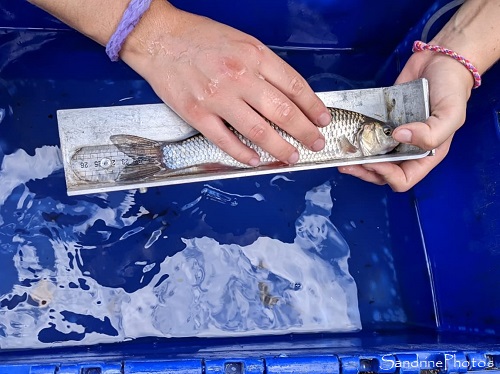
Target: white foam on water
[
  {"x": 153, "y": 238},
  {"x": 22, "y": 199},
  {"x": 129, "y": 233},
  {"x": 206, "y": 289},
  {"x": 273, "y": 180}
]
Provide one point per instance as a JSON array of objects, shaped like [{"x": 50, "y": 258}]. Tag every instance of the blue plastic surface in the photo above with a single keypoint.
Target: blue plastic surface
[{"x": 425, "y": 262}]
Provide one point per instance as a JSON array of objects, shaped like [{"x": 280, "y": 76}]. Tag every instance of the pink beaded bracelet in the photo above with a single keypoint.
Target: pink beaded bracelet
[{"x": 421, "y": 46}]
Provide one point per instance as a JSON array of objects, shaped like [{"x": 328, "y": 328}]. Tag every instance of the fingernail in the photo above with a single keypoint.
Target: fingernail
[
  {"x": 403, "y": 136},
  {"x": 254, "y": 162},
  {"x": 318, "y": 145},
  {"x": 324, "y": 119},
  {"x": 293, "y": 158}
]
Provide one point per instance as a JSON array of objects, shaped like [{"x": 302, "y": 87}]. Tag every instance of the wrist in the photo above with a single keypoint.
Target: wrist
[
  {"x": 473, "y": 33},
  {"x": 419, "y": 46},
  {"x": 438, "y": 67},
  {"x": 463, "y": 47},
  {"x": 93, "y": 18},
  {"x": 151, "y": 34}
]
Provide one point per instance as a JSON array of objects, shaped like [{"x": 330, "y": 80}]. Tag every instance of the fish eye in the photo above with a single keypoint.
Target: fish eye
[{"x": 387, "y": 131}]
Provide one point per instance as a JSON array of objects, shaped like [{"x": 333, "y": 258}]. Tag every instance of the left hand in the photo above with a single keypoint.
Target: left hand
[{"x": 450, "y": 86}]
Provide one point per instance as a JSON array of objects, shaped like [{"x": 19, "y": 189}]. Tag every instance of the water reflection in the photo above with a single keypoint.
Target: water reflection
[{"x": 70, "y": 264}]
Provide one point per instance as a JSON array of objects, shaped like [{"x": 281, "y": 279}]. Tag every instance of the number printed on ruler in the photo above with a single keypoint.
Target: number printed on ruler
[{"x": 99, "y": 164}]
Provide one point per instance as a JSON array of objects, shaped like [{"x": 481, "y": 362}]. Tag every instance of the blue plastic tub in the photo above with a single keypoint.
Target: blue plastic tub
[{"x": 82, "y": 276}]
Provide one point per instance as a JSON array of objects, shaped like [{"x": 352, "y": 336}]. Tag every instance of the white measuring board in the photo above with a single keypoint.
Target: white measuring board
[{"x": 92, "y": 163}]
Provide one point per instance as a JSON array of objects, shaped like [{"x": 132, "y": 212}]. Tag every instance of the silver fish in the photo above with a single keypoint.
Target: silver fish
[{"x": 132, "y": 158}]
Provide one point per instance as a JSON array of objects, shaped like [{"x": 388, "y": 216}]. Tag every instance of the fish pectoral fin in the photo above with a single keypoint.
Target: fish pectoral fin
[
  {"x": 135, "y": 172},
  {"x": 347, "y": 146}
]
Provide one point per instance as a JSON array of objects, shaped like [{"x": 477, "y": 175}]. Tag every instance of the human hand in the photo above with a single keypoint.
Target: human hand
[
  {"x": 450, "y": 86},
  {"x": 208, "y": 72}
]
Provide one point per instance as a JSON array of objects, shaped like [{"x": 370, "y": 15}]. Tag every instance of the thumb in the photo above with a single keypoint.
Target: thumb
[{"x": 434, "y": 131}]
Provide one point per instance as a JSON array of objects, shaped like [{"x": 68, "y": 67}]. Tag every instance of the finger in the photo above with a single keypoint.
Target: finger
[
  {"x": 218, "y": 133},
  {"x": 258, "y": 131},
  {"x": 435, "y": 130},
  {"x": 404, "y": 176},
  {"x": 293, "y": 85},
  {"x": 279, "y": 109},
  {"x": 362, "y": 173}
]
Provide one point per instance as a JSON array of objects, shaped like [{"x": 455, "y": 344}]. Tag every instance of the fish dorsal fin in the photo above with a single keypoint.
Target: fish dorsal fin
[{"x": 347, "y": 146}]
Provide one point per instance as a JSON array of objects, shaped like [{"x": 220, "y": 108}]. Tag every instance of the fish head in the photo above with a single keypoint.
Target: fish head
[{"x": 375, "y": 138}]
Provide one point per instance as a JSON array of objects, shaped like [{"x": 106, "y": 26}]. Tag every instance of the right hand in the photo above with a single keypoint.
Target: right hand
[
  {"x": 208, "y": 72},
  {"x": 450, "y": 86}
]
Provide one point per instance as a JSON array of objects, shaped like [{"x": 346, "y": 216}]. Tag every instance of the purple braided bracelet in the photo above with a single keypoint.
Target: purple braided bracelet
[
  {"x": 130, "y": 19},
  {"x": 421, "y": 46}
]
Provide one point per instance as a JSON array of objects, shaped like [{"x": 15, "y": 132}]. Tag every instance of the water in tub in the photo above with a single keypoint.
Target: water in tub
[{"x": 242, "y": 257}]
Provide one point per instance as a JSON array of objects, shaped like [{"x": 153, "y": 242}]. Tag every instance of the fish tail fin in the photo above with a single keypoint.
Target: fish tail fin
[{"x": 146, "y": 155}]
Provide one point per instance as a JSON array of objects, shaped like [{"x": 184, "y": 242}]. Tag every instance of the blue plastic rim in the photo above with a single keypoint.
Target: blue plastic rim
[{"x": 424, "y": 262}]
